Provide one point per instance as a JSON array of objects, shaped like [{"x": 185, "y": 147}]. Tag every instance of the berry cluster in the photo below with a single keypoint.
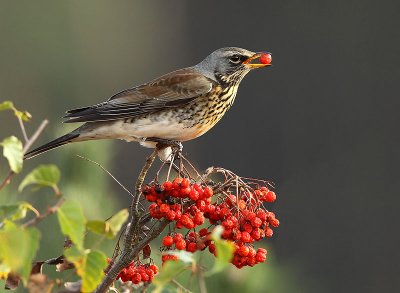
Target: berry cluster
[
  {"x": 164, "y": 205},
  {"x": 241, "y": 214},
  {"x": 136, "y": 274}
]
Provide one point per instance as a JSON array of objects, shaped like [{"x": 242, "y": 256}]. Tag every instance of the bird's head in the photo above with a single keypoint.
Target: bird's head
[{"x": 230, "y": 65}]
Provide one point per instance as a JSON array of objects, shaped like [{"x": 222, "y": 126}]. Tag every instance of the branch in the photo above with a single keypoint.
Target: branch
[
  {"x": 128, "y": 254},
  {"x": 27, "y": 145},
  {"x": 49, "y": 211},
  {"x": 129, "y": 251}
]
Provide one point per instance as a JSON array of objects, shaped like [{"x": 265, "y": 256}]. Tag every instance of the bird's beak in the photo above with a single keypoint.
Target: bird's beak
[{"x": 255, "y": 57}]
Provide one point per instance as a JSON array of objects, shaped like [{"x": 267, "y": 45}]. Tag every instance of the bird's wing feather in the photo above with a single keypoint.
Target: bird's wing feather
[{"x": 174, "y": 89}]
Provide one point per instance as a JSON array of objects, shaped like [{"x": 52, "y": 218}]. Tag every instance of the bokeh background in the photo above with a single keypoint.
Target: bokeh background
[{"x": 322, "y": 123}]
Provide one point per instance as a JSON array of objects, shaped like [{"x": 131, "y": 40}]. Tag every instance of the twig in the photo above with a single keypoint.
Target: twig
[
  {"x": 21, "y": 125},
  {"x": 27, "y": 145},
  {"x": 49, "y": 211},
  {"x": 105, "y": 170}
]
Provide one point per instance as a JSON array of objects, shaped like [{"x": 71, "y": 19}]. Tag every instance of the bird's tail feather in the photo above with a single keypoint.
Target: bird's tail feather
[{"x": 69, "y": 137}]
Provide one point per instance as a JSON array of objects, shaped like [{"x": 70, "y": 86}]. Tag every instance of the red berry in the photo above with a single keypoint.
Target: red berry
[
  {"x": 167, "y": 185},
  {"x": 154, "y": 268},
  {"x": 265, "y": 58},
  {"x": 198, "y": 218},
  {"x": 136, "y": 278},
  {"x": 178, "y": 237},
  {"x": 256, "y": 222},
  {"x": 203, "y": 232},
  {"x": 185, "y": 191},
  {"x": 167, "y": 241},
  {"x": 191, "y": 247},
  {"x": 185, "y": 182},
  {"x": 261, "y": 257},
  {"x": 243, "y": 250},
  {"x": 246, "y": 238},
  {"x": 270, "y": 196},
  {"x": 208, "y": 192},
  {"x": 164, "y": 208},
  {"x": 180, "y": 245},
  {"x": 194, "y": 194},
  {"x": 274, "y": 222},
  {"x": 268, "y": 232}
]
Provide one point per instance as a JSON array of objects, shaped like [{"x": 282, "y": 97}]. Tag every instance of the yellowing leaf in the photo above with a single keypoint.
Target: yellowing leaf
[
  {"x": 16, "y": 211},
  {"x": 13, "y": 151},
  {"x": 89, "y": 265},
  {"x": 42, "y": 176},
  {"x": 72, "y": 222},
  {"x": 8, "y": 105},
  {"x": 18, "y": 247}
]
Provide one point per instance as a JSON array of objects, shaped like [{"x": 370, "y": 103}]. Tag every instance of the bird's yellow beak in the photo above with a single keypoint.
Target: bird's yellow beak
[{"x": 256, "y": 65}]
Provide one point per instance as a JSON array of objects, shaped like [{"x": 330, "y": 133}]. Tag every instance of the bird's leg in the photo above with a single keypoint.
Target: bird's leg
[{"x": 166, "y": 142}]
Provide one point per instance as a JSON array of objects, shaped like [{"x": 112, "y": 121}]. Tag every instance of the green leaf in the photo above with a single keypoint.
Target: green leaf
[
  {"x": 93, "y": 272},
  {"x": 225, "y": 250},
  {"x": 18, "y": 248},
  {"x": 97, "y": 226},
  {"x": 72, "y": 222},
  {"x": 116, "y": 222},
  {"x": 8, "y": 105},
  {"x": 111, "y": 227},
  {"x": 89, "y": 265},
  {"x": 42, "y": 176},
  {"x": 170, "y": 270},
  {"x": 16, "y": 211},
  {"x": 13, "y": 151}
]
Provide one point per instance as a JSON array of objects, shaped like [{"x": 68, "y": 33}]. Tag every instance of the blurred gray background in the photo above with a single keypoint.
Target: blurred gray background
[{"x": 322, "y": 123}]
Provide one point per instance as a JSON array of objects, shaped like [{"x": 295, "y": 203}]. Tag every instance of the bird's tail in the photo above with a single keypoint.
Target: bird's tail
[{"x": 69, "y": 137}]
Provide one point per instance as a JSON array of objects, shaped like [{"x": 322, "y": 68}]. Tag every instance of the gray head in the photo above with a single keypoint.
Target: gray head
[{"x": 229, "y": 64}]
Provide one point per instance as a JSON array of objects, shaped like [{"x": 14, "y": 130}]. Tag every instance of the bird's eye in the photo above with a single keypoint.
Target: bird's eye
[{"x": 235, "y": 59}]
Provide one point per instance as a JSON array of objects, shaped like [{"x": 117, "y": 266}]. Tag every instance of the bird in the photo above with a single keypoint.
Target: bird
[{"x": 176, "y": 107}]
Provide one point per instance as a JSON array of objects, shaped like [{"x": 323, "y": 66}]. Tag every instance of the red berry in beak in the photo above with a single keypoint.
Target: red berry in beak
[{"x": 266, "y": 58}]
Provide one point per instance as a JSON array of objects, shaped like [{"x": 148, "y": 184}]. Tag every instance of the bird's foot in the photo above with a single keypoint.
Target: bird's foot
[
  {"x": 166, "y": 142},
  {"x": 168, "y": 150}
]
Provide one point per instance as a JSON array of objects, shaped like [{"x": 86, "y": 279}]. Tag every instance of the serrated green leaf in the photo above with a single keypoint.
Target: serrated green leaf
[
  {"x": 224, "y": 249},
  {"x": 72, "y": 222},
  {"x": 18, "y": 247},
  {"x": 16, "y": 211},
  {"x": 111, "y": 227},
  {"x": 169, "y": 271},
  {"x": 8, "y": 105},
  {"x": 13, "y": 151},
  {"x": 42, "y": 176}
]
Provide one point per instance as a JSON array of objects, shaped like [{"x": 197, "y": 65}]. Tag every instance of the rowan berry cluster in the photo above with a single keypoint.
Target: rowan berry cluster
[
  {"x": 138, "y": 273},
  {"x": 188, "y": 204}
]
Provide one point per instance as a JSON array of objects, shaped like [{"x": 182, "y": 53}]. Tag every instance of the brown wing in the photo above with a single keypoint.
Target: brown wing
[{"x": 171, "y": 90}]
